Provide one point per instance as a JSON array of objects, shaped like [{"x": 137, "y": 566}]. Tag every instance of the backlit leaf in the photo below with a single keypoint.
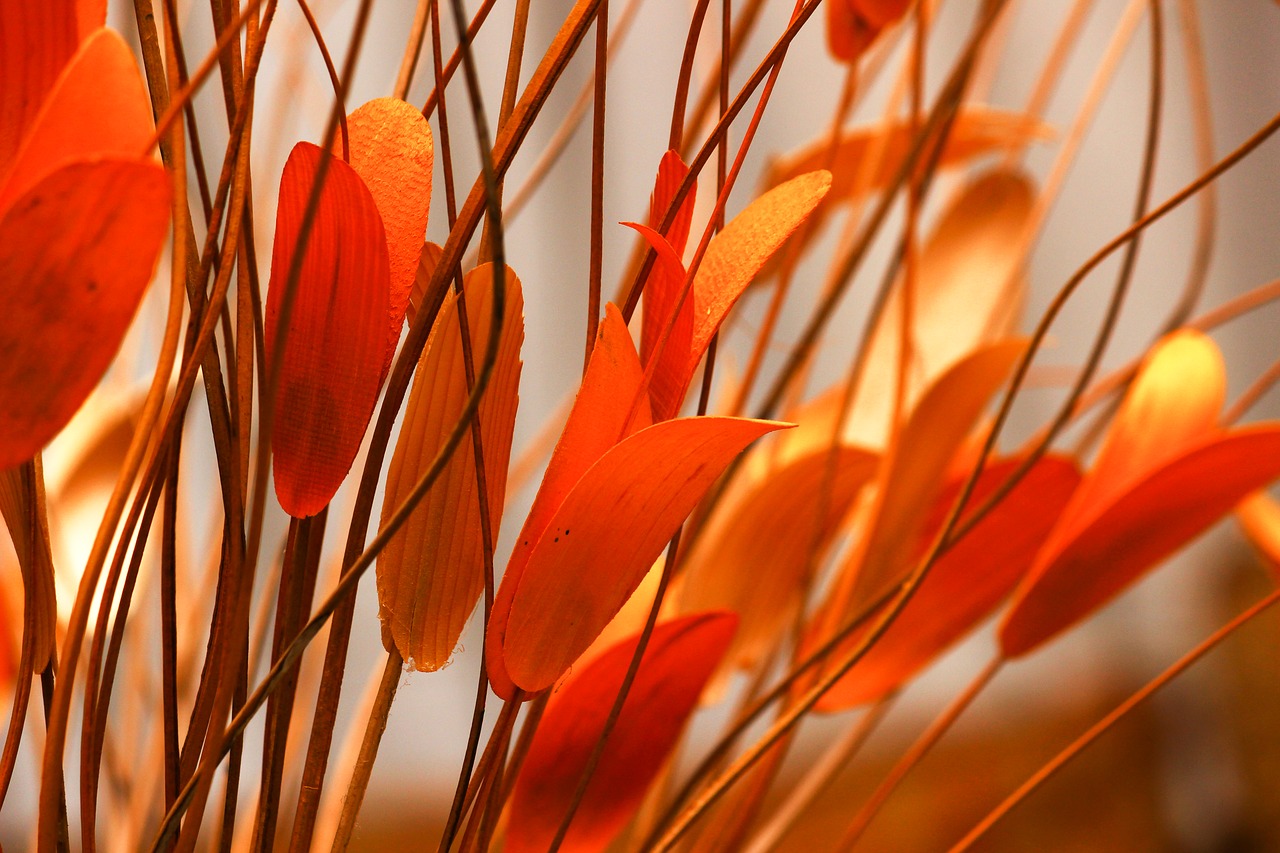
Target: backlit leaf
[
  {"x": 36, "y": 42},
  {"x": 76, "y": 254},
  {"x": 331, "y": 361},
  {"x": 1259, "y": 516},
  {"x": 1086, "y": 563},
  {"x": 431, "y": 573},
  {"x": 602, "y": 539},
  {"x": 681, "y": 655},
  {"x": 852, "y": 25},
  {"x": 393, "y": 153},
  {"x": 97, "y": 107}
]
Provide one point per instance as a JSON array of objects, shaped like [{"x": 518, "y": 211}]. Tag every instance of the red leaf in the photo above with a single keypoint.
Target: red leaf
[
  {"x": 602, "y": 539},
  {"x": 36, "y": 41},
  {"x": 333, "y": 355},
  {"x": 76, "y": 254},
  {"x": 679, "y": 659}
]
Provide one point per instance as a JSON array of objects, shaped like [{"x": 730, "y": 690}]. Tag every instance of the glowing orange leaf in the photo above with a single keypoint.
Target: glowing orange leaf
[
  {"x": 431, "y": 573},
  {"x": 36, "y": 41},
  {"x": 392, "y": 152},
  {"x": 1259, "y": 516},
  {"x": 852, "y": 25},
  {"x": 597, "y": 421},
  {"x": 968, "y": 581},
  {"x": 602, "y": 539},
  {"x": 331, "y": 361},
  {"x": 76, "y": 254},
  {"x": 681, "y": 655},
  {"x": 90, "y": 14}
]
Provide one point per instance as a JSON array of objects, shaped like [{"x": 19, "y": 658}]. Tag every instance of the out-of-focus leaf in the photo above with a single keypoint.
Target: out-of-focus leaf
[
  {"x": 36, "y": 564},
  {"x": 1259, "y": 516},
  {"x": 681, "y": 655},
  {"x": 36, "y": 41},
  {"x": 852, "y": 25},
  {"x": 968, "y": 581},
  {"x": 965, "y": 283},
  {"x": 1091, "y": 559},
  {"x": 97, "y": 107},
  {"x": 601, "y": 416},
  {"x": 431, "y": 573},
  {"x": 331, "y": 361},
  {"x": 602, "y": 539},
  {"x": 392, "y": 152},
  {"x": 752, "y": 557},
  {"x": 662, "y": 289},
  {"x": 919, "y": 458},
  {"x": 76, "y": 254}
]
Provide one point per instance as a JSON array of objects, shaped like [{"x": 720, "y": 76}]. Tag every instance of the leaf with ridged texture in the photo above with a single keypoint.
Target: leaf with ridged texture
[
  {"x": 970, "y": 579},
  {"x": 965, "y": 281},
  {"x": 606, "y": 534},
  {"x": 98, "y": 107},
  {"x": 431, "y": 254},
  {"x": 1259, "y": 517},
  {"x": 662, "y": 288},
  {"x": 753, "y": 556},
  {"x": 1090, "y": 560},
  {"x": 597, "y": 421},
  {"x": 332, "y": 357},
  {"x": 431, "y": 573},
  {"x": 853, "y": 25},
  {"x": 393, "y": 153},
  {"x": 34, "y": 560},
  {"x": 919, "y": 460},
  {"x": 76, "y": 254},
  {"x": 680, "y": 657},
  {"x": 36, "y": 42}
]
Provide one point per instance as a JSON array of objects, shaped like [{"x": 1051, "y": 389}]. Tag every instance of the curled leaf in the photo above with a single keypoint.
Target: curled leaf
[
  {"x": 76, "y": 254},
  {"x": 680, "y": 657},
  {"x": 431, "y": 573},
  {"x": 332, "y": 358}
]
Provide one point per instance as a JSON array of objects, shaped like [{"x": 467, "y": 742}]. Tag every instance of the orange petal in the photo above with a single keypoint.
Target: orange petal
[
  {"x": 332, "y": 359},
  {"x": 1259, "y": 516},
  {"x": 36, "y": 41},
  {"x": 852, "y": 25},
  {"x": 393, "y": 153},
  {"x": 98, "y": 107},
  {"x": 753, "y": 559},
  {"x": 431, "y": 573},
  {"x": 597, "y": 421},
  {"x": 605, "y": 535},
  {"x": 681, "y": 655},
  {"x": 1083, "y": 567},
  {"x": 920, "y": 457},
  {"x": 76, "y": 254},
  {"x": 968, "y": 581}
]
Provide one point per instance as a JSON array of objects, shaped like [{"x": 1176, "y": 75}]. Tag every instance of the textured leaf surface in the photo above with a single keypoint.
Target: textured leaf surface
[
  {"x": 97, "y": 107},
  {"x": 431, "y": 573},
  {"x": 681, "y": 655},
  {"x": 76, "y": 254},
  {"x": 604, "y": 536},
  {"x": 36, "y": 42},
  {"x": 333, "y": 355}
]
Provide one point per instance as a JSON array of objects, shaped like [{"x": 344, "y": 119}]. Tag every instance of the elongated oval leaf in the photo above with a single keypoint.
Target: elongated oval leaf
[
  {"x": 393, "y": 153},
  {"x": 681, "y": 655},
  {"x": 98, "y": 107},
  {"x": 602, "y": 539},
  {"x": 431, "y": 573},
  {"x": 36, "y": 41},
  {"x": 76, "y": 254},
  {"x": 1080, "y": 569},
  {"x": 968, "y": 581},
  {"x": 597, "y": 421},
  {"x": 332, "y": 357}
]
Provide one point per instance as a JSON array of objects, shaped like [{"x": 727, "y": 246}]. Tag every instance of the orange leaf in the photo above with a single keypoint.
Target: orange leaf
[
  {"x": 681, "y": 655},
  {"x": 602, "y": 539},
  {"x": 392, "y": 152},
  {"x": 98, "y": 107},
  {"x": 76, "y": 254},
  {"x": 36, "y": 41},
  {"x": 1259, "y": 516},
  {"x": 968, "y": 581},
  {"x": 753, "y": 556},
  {"x": 1090, "y": 560},
  {"x": 597, "y": 421},
  {"x": 431, "y": 573},
  {"x": 332, "y": 359},
  {"x": 90, "y": 15},
  {"x": 852, "y": 25},
  {"x": 431, "y": 255}
]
